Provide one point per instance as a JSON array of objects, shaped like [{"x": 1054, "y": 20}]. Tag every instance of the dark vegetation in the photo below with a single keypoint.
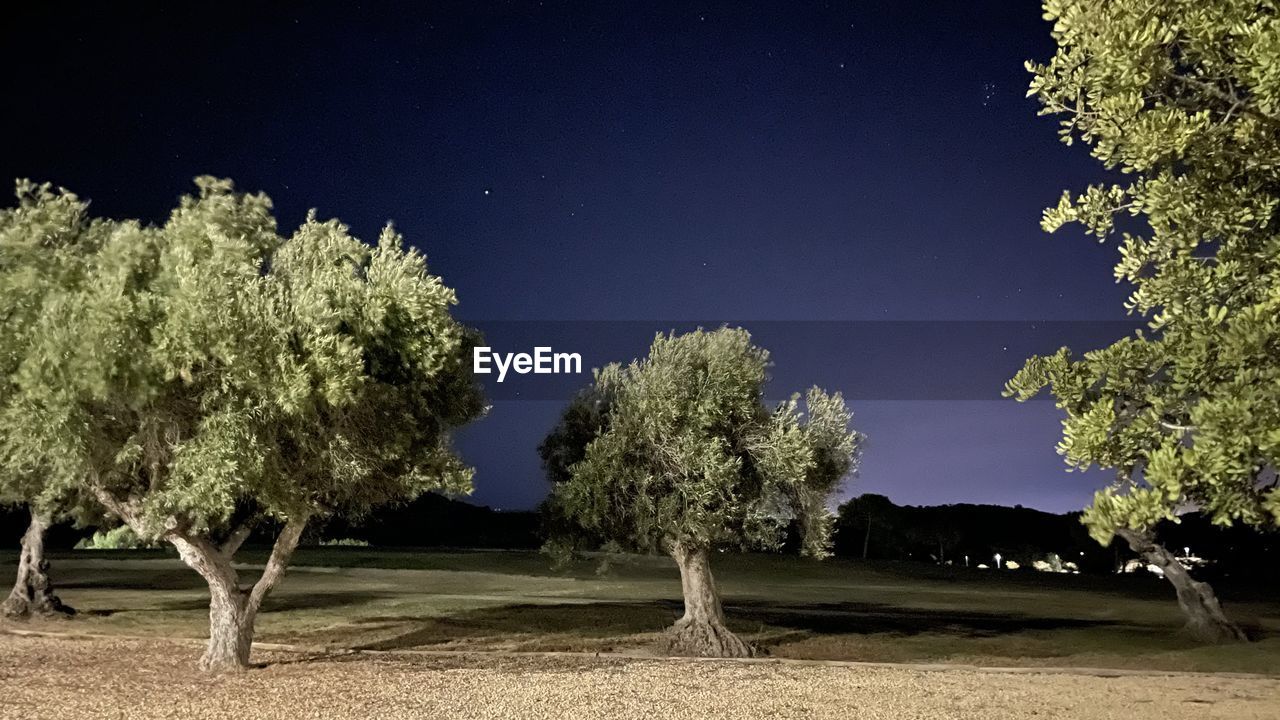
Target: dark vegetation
[
  {"x": 433, "y": 520},
  {"x": 947, "y": 533},
  {"x": 899, "y": 533}
]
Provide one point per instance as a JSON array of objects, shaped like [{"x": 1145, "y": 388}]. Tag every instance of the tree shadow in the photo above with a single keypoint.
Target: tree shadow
[
  {"x": 604, "y": 620},
  {"x": 596, "y": 620},
  {"x": 319, "y": 600},
  {"x": 876, "y": 618},
  {"x": 285, "y": 603},
  {"x": 130, "y": 579},
  {"x": 272, "y": 604}
]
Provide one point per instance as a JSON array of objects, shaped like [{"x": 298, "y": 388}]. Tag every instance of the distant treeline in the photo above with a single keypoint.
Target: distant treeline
[
  {"x": 871, "y": 526},
  {"x": 868, "y": 526},
  {"x": 436, "y": 521}
]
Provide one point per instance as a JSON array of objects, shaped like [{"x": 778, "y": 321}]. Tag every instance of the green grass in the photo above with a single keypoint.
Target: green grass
[{"x": 368, "y": 598}]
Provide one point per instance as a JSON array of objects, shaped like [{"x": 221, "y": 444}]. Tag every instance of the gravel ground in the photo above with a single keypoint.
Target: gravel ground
[{"x": 96, "y": 678}]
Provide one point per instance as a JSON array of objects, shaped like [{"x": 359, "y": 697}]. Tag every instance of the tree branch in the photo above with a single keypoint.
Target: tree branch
[
  {"x": 281, "y": 552},
  {"x": 1237, "y": 102},
  {"x": 1142, "y": 543},
  {"x": 109, "y": 501},
  {"x": 236, "y": 539},
  {"x": 204, "y": 557},
  {"x": 128, "y": 511}
]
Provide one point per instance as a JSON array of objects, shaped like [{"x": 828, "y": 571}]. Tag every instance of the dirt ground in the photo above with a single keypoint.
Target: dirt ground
[{"x": 61, "y": 678}]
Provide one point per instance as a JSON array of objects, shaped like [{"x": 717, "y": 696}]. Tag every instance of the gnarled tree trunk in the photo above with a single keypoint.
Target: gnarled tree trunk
[
  {"x": 1205, "y": 619},
  {"x": 234, "y": 609},
  {"x": 701, "y": 630},
  {"x": 231, "y": 622},
  {"x": 32, "y": 592}
]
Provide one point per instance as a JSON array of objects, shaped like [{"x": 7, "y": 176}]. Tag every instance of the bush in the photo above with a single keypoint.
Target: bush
[{"x": 119, "y": 538}]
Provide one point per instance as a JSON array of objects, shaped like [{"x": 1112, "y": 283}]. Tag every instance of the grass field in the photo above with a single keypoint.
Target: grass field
[{"x": 360, "y": 598}]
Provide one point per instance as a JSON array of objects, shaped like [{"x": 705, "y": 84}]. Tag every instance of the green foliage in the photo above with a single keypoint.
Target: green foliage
[
  {"x": 586, "y": 415},
  {"x": 45, "y": 243},
  {"x": 1184, "y": 97},
  {"x": 210, "y": 369},
  {"x": 583, "y": 419},
  {"x": 678, "y": 447},
  {"x": 118, "y": 538},
  {"x": 344, "y": 542}
]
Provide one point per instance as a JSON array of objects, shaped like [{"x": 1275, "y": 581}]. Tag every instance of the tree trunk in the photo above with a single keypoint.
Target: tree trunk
[
  {"x": 866, "y": 539},
  {"x": 233, "y": 609},
  {"x": 231, "y": 623},
  {"x": 701, "y": 631},
  {"x": 1205, "y": 619},
  {"x": 32, "y": 592}
]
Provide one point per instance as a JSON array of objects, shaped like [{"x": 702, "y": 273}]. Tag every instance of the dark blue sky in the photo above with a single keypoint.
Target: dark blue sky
[{"x": 860, "y": 161}]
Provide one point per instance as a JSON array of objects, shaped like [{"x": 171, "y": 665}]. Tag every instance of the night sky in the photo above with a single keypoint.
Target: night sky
[{"x": 666, "y": 164}]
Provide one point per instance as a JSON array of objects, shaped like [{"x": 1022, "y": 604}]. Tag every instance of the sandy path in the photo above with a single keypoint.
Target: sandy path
[{"x": 99, "y": 678}]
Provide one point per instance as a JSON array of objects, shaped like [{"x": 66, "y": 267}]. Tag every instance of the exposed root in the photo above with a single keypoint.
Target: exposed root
[
  {"x": 34, "y": 602},
  {"x": 705, "y": 639}
]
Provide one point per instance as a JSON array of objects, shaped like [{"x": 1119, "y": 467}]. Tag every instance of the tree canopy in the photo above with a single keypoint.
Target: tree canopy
[
  {"x": 44, "y": 245},
  {"x": 209, "y": 373},
  {"x": 1182, "y": 100}
]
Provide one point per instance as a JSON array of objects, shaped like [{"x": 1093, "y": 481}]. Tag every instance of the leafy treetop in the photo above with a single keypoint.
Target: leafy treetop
[
  {"x": 1182, "y": 100},
  {"x": 687, "y": 454},
  {"x": 45, "y": 243},
  {"x": 210, "y": 370}
]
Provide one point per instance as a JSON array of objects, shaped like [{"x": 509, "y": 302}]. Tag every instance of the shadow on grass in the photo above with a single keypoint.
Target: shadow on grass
[
  {"x": 601, "y": 620},
  {"x": 128, "y": 579},
  {"x": 285, "y": 603},
  {"x": 583, "y": 620},
  {"x": 272, "y": 604},
  {"x": 876, "y": 618}
]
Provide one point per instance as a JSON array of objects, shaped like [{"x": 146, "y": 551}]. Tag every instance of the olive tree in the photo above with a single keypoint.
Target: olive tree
[
  {"x": 210, "y": 374},
  {"x": 43, "y": 244},
  {"x": 688, "y": 459},
  {"x": 1183, "y": 99},
  {"x": 565, "y": 446}
]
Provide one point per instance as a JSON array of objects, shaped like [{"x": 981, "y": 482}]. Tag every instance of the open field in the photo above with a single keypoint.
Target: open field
[
  {"x": 154, "y": 679},
  {"x": 359, "y": 598}
]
